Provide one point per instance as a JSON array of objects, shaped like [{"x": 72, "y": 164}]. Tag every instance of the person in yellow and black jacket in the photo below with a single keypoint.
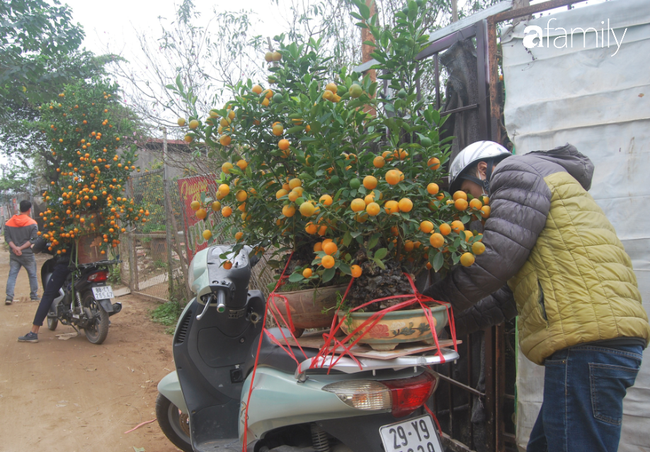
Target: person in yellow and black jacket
[
  {"x": 552, "y": 257},
  {"x": 21, "y": 231}
]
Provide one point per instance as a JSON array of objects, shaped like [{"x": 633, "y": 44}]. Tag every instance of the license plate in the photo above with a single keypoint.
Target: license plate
[
  {"x": 413, "y": 435},
  {"x": 103, "y": 292}
]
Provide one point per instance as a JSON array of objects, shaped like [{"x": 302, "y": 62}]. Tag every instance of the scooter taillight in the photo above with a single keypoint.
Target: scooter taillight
[
  {"x": 362, "y": 394},
  {"x": 100, "y": 276},
  {"x": 411, "y": 393},
  {"x": 400, "y": 396}
]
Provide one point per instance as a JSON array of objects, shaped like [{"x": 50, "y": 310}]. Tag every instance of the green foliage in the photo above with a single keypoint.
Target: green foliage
[
  {"x": 149, "y": 191},
  {"x": 39, "y": 51},
  {"x": 15, "y": 180},
  {"x": 115, "y": 274},
  {"x": 299, "y": 150},
  {"x": 167, "y": 314},
  {"x": 330, "y": 22},
  {"x": 84, "y": 129}
]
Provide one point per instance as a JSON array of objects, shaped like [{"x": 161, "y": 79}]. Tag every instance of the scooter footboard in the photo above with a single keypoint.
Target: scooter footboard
[{"x": 208, "y": 426}]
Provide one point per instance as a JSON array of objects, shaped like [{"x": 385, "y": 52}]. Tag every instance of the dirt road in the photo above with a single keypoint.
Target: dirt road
[{"x": 72, "y": 396}]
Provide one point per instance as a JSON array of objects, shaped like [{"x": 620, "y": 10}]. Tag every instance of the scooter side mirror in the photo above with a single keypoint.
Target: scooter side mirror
[{"x": 254, "y": 259}]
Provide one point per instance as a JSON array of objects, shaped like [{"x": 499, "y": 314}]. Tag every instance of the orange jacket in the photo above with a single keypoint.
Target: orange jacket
[{"x": 21, "y": 229}]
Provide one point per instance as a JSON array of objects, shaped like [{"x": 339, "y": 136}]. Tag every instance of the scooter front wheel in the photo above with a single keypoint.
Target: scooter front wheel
[{"x": 174, "y": 423}]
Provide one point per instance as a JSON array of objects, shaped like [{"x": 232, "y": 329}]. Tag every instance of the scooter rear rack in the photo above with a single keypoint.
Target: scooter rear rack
[{"x": 350, "y": 366}]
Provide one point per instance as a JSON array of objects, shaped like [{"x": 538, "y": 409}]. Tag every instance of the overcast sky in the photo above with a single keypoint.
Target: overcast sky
[{"x": 113, "y": 25}]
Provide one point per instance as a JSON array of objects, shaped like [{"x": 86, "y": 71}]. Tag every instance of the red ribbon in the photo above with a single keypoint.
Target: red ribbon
[
  {"x": 272, "y": 295},
  {"x": 332, "y": 344},
  {"x": 435, "y": 418}
]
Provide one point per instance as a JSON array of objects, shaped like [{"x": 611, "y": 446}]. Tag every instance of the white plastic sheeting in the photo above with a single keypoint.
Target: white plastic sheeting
[{"x": 596, "y": 96}]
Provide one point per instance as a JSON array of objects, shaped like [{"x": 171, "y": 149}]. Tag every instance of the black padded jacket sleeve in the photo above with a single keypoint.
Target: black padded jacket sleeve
[
  {"x": 491, "y": 310},
  {"x": 520, "y": 201}
]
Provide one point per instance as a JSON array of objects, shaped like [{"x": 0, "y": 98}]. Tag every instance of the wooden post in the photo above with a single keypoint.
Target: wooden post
[
  {"x": 131, "y": 243},
  {"x": 170, "y": 271},
  {"x": 133, "y": 254},
  {"x": 179, "y": 252},
  {"x": 367, "y": 49}
]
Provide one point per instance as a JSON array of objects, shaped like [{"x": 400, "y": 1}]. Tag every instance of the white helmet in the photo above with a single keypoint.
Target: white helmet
[{"x": 487, "y": 151}]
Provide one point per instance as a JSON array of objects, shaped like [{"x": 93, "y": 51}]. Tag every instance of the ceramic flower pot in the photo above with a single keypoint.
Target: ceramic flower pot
[
  {"x": 306, "y": 307},
  {"x": 396, "y": 327}
]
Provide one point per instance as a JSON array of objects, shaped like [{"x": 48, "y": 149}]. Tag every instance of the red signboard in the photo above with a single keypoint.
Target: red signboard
[{"x": 190, "y": 189}]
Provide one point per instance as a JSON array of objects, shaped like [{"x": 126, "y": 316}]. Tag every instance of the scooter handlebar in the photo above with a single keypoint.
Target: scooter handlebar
[
  {"x": 205, "y": 308},
  {"x": 221, "y": 303}
]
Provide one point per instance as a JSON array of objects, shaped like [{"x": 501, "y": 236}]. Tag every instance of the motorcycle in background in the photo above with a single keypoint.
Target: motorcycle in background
[
  {"x": 321, "y": 404},
  {"x": 84, "y": 301}
]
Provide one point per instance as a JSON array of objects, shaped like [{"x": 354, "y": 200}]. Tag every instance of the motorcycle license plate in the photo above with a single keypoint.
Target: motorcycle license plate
[
  {"x": 103, "y": 292},
  {"x": 413, "y": 435}
]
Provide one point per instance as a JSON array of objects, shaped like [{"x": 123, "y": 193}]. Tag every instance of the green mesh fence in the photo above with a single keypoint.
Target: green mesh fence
[{"x": 146, "y": 261}]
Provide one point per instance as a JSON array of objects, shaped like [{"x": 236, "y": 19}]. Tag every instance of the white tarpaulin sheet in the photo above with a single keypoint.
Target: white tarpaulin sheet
[{"x": 594, "y": 93}]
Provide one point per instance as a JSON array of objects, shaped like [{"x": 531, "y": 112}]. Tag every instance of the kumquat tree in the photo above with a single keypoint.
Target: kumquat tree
[
  {"x": 344, "y": 176},
  {"x": 86, "y": 126}
]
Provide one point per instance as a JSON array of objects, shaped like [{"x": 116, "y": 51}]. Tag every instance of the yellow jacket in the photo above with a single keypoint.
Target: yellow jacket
[
  {"x": 577, "y": 285},
  {"x": 569, "y": 274}
]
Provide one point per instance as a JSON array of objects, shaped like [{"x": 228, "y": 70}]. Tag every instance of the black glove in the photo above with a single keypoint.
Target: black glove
[{"x": 492, "y": 310}]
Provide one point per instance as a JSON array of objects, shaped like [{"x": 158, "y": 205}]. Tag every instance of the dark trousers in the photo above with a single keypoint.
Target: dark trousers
[{"x": 59, "y": 275}]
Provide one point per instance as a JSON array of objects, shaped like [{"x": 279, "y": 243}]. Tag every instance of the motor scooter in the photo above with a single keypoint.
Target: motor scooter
[{"x": 324, "y": 403}]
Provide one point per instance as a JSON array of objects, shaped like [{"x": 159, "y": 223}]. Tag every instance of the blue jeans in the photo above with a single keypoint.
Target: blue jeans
[
  {"x": 29, "y": 262},
  {"x": 584, "y": 387}
]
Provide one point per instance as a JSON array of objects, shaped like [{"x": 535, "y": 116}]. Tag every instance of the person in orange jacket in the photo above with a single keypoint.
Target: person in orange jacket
[{"x": 21, "y": 231}]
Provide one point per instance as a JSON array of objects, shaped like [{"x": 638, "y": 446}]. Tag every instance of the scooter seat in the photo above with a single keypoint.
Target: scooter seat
[{"x": 272, "y": 355}]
